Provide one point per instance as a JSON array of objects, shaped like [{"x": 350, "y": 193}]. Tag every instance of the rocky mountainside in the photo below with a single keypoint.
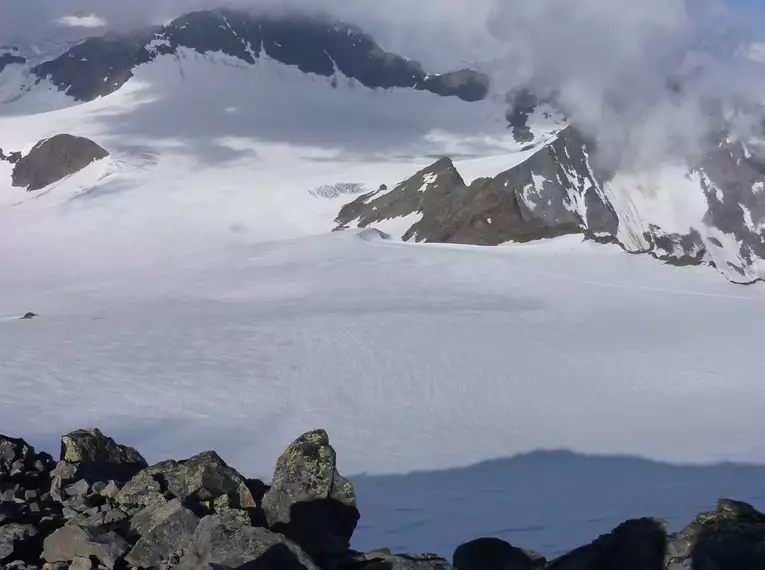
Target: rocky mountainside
[
  {"x": 102, "y": 507},
  {"x": 708, "y": 212},
  {"x": 101, "y": 65},
  {"x": 553, "y": 192},
  {"x": 53, "y": 159}
]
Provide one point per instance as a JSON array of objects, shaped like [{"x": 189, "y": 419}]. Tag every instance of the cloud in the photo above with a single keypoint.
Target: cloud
[
  {"x": 639, "y": 75},
  {"x": 82, "y": 21}
]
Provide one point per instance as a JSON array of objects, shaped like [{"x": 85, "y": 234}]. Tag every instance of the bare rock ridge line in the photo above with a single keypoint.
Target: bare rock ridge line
[
  {"x": 52, "y": 160},
  {"x": 102, "y": 65},
  {"x": 101, "y": 506},
  {"x": 551, "y": 193}
]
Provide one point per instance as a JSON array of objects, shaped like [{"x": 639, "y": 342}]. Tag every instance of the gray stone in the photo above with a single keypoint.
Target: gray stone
[
  {"x": 70, "y": 542},
  {"x": 11, "y": 535},
  {"x": 78, "y": 489},
  {"x": 227, "y": 541},
  {"x": 110, "y": 491},
  {"x": 53, "y": 159},
  {"x": 309, "y": 501},
  {"x": 163, "y": 531},
  {"x": 90, "y": 445},
  {"x": 203, "y": 477},
  {"x": 81, "y": 564},
  {"x": 730, "y": 538}
]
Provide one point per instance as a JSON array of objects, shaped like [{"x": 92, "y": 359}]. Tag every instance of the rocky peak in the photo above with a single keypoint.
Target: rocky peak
[
  {"x": 553, "y": 192},
  {"x": 99, "y": 66},
  {"x": 53, "y": 159}
]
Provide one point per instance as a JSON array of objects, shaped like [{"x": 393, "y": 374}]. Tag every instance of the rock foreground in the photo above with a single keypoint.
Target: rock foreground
[{"x": 103, "y": 507}]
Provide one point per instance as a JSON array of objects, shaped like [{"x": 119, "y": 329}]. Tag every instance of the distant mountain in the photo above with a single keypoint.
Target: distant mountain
[{"x": 101, "y": 65}]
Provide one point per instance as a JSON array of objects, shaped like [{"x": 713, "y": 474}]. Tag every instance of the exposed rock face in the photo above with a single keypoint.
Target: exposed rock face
[
  {"x": 85, "y": 526},
  {"x": 204, "y": 477},
  {"x": 7, "y": 59},
  {"x": 554, "y": 192},
  {"x": 731, "y": 537},
  {"x": 98, "y": 457},
  {"x": 100, "y": 66},
  {"x": 226, "y": 541},
  {"x": 71, "y": 542},
  {"x": 53, "y": 159},
  {"x": 163, "y": 531},
  {"x": 309, "y": 501},
  {"x": 496, "y": 554},
  {"x": 635, "y": 545}
]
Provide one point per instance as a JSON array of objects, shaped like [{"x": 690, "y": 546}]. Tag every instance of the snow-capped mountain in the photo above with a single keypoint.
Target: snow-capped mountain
[
  {"x": 102, "y": 65},
  {"x": 233, "y": 95}
]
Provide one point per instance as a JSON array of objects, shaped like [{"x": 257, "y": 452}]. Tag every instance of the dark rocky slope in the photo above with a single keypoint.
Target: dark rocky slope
[
  {"x": 102, "y": 507},
  {"x": 553, "y": 192},
  {"x": 53, "y": 159},
  {"x": 99, "y": 66}
]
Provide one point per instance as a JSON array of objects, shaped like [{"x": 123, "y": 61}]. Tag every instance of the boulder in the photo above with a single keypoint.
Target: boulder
[
  {"x": 13, "y": 451},
  {"x": 730, "y": 538},
  {"x": 495, "y": 554},
  {"x": 309, "y": 501},
  {"x": 14, "y": 537},
  {"x": 99, "y": 457},
  {"x": 634, "y": 545},
  {"x": 53, "y": 159},
  {"x": 410, "y": 562},
  {"x": 71, "y": 542},
  {"x": 164, "y": 531},
  {"x": 204, "y": 477},
  {"x": 227, "y": 541}
]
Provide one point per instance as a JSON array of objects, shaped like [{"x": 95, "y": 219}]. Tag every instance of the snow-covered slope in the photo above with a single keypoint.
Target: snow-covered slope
[
  {"x": 412, "y": 356},
  {"x": 191, "y": 162}
]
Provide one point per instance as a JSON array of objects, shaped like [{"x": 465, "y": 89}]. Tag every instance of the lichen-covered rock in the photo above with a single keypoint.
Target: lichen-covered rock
[
  {"x": 90, "y": 445},
  {"x": 13, "y": 536},
  {"x": 142, "y": 490},
  {"x": 163, "y": 531},
  {"x": 495, "y": 554},
  {"x": 203, "y": 477},
  {"x": 13, "y": 451},
  {"x": 309, "y": 501},
  {"x": 226, "y": 541},
  {"x": 70, "y": 542},
  {"x": 730, "y": 538},
  {"x": 99, "y": 457}
]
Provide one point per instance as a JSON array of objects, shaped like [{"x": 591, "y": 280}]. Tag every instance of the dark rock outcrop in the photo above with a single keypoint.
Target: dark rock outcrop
[
  {"x": 202, "y": 478},
  {"x": 164, "y": 531},
  {"x": 7, "y": 59},
  {"x": 496, "y": 554},
  {"x": 553, "y": 192},
  {"x": 194, "y": 520},
  {"x": 98, "y": 457},
  {"x": 318, "y": 45},
  {"x": 309, "y": 501},
  {"x": 71, "y": 542},
  {"x": 634, "y": 545},
  {"x": 228, "y": 541},
  {"x": 731, "y": 537},
  {"x": 53, "y": 159}
]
